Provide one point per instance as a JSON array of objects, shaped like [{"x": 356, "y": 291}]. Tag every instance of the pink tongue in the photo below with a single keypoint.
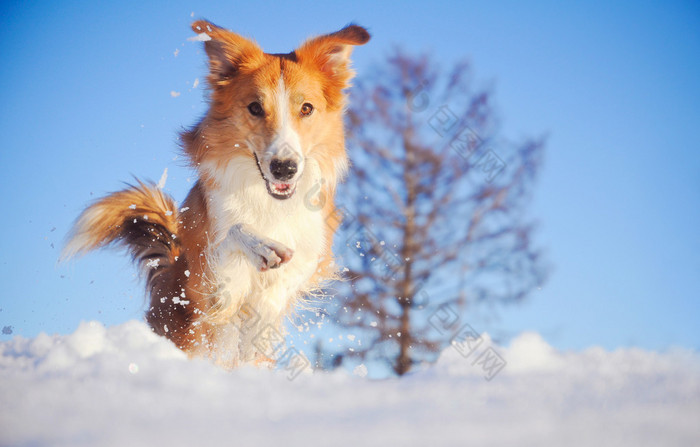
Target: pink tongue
[{"x": 281, "y": 187}]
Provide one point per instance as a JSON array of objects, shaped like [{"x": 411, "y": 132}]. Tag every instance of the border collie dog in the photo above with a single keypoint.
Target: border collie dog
[{"x": 236, "y": 257}]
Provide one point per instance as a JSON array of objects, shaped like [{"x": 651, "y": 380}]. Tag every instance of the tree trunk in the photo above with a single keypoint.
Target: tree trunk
[{"x": 405, "y": 287}]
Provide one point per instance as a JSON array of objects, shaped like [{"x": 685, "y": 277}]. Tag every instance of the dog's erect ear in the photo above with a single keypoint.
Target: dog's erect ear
[
  {"x": 331, "y": 54},
  {"x": 228, "y": 52}
]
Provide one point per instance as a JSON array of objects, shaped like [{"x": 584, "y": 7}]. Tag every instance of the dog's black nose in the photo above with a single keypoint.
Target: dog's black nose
[{"x": 283, "y": 169}]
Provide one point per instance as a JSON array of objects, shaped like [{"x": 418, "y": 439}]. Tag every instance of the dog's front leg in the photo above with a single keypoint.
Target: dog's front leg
[{"x": 264, "y": 253}]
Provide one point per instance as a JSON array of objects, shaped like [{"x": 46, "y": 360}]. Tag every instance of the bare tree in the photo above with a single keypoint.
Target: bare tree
[{"x": 433, "y": 209}]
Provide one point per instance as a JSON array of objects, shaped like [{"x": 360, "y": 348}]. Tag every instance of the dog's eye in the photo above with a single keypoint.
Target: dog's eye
[
  {"x": 256, "y": 109},
  {"x": 306, "y": 109}
]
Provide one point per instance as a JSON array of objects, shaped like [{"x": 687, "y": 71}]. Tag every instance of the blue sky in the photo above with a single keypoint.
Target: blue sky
[{"x": 86, "y": 102}]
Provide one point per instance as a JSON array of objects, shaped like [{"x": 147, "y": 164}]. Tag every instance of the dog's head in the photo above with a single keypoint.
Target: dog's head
[{"x": 280, "y": 110}]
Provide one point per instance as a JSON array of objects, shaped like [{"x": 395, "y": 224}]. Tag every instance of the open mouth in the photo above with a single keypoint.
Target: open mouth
[{"x": 280, "y": 191}]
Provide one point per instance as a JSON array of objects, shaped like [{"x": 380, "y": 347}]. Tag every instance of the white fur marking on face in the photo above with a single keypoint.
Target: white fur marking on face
[{"x": 286, "y": 144}]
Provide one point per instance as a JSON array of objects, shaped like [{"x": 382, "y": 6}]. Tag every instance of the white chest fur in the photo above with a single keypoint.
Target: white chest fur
[{"x": 241, "y": 198}]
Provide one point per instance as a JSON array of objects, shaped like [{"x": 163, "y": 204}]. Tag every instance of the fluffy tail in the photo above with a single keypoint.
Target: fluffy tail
[{"x": 140, "y": 218}]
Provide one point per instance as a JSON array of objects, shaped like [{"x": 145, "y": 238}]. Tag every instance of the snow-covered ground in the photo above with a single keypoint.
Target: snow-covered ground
[{"x": 124, "y": 385}]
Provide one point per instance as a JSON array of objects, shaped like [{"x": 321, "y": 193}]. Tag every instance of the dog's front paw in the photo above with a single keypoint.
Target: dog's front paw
[
  {"x": 269, "y": 254},
  {"x": 262, "y": 252}
]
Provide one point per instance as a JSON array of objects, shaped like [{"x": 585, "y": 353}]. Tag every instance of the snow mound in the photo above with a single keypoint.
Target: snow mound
[{"x": 123, "y": 385}]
